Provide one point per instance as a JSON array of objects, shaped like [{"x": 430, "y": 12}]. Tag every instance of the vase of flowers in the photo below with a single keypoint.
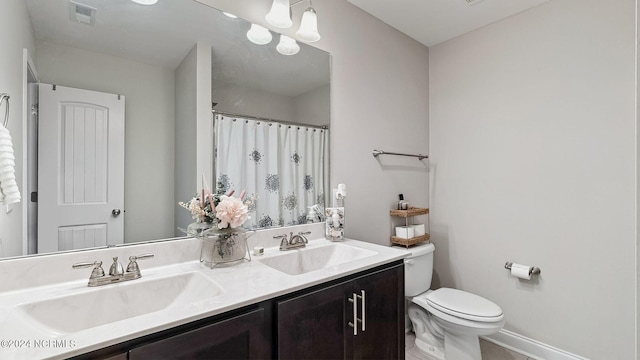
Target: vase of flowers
[{"x": 219, "y": 218}]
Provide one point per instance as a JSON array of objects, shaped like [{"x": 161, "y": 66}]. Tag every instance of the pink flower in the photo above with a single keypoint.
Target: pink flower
[{"x": 231, "y": 212}]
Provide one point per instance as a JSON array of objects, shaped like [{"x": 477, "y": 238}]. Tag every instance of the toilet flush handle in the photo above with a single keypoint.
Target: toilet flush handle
[{"x": 408, "y": 262}]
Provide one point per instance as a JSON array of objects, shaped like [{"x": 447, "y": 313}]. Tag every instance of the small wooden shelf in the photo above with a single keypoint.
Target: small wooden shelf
[
  {"x": 410, "y": 242},
  {"x": 413, "y": 211}
]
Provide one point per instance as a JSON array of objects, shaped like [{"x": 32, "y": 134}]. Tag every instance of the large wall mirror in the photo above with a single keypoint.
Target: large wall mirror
[{"x": 140, "y": 54}]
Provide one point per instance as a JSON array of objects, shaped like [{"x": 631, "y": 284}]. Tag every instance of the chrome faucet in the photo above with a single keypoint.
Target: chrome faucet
[
  {"x": 295, "y": 241},
  {"x": 116, "y": 268},
  {"x": 116, "y": 271}
]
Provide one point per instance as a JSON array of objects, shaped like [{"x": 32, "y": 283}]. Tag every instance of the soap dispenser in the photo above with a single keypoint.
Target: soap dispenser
[
  {"x": 336, "y": 219},
  {"x": 311, "y": 216},
  {"x": 334, "y": 229}
]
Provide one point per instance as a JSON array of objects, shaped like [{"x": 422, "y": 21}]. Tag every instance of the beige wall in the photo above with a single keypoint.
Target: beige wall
[
  {"x": 149, "y": 128},
  {"x": 532, "y": 146}
]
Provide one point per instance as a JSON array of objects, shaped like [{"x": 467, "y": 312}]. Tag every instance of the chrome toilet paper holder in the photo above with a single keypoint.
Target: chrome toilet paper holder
[{"x": 533, "y": 270}]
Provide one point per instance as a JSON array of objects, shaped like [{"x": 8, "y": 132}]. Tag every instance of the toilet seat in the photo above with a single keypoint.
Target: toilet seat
[{"x": 460, "y": 304}]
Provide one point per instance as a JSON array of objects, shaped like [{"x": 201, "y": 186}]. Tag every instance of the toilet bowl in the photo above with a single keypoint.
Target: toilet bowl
[{"x": 447, "y": 322}]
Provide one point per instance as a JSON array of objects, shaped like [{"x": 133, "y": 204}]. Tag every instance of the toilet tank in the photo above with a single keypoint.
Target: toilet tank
[{"x": 418, "y": 269}]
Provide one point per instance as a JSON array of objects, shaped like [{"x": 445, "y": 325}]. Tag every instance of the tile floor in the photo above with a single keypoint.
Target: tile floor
[{"x": 489, "y": 350}]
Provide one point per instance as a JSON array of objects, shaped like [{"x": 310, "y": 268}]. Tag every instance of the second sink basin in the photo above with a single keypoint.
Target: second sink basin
[
  {"x": 110, "y": 303},
  {"x": 304, "y": 260}
]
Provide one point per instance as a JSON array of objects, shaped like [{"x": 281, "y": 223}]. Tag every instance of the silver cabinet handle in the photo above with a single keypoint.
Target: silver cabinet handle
[
  {"x": 363, "y": 307},
  {"x": 355, "y": 314}
]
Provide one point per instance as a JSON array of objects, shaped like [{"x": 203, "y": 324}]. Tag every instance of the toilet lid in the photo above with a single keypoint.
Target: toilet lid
[{"x": 464, "y": 305}]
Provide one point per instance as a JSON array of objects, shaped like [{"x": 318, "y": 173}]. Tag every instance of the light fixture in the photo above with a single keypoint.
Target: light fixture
[
  {"x": 287, "y": 46},
  {"x": 145, "y": 2},
  {"x": 259, "y": 35},
  {"x": 279, "y": 16},
  {"x": 229, "y": 15},
  {"x": 309, "y": 26}
]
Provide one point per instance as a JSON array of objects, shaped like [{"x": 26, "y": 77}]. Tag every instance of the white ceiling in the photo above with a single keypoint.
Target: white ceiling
[{"x": 433, "y": 21}]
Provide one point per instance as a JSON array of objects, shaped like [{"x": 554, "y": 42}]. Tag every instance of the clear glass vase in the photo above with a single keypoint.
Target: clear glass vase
[
  {"x": 220, "y": 246},
  {"x": 197, "y": 228}
]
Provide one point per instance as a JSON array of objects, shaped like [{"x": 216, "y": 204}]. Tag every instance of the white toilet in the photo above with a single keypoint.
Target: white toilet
[{"x": 447, "y": 322}]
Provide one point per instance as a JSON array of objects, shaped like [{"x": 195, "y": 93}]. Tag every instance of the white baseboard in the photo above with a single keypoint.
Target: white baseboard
[{"x": 529, "y": 347}]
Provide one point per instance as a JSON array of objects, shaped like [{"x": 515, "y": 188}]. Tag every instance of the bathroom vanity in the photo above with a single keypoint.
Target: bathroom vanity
[
  {"x": 314, "y": 323},
  {"x": 328, "y": 300}
]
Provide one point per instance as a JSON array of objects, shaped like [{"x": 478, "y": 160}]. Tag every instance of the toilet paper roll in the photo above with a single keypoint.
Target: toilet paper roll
[{"x": 521, "y": 271}]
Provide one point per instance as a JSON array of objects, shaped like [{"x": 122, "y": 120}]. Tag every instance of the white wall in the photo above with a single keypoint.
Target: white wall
[
  {"x": 185, "y": 137},
  {"x": 204, "y": 117},
  {"x": 238, "y": 99},
  {"x": 17, "y": 34},
  {"x": 313, "y": 107},
  {"x": 149, "y": 128},
  {"x": 194, "y": 128},
  {"x": 532, "y": 147},
  {"x": 310, "y": 108}
]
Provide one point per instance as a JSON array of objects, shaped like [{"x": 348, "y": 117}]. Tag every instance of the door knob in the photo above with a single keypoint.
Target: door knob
[{"x": 115, "y": 212}]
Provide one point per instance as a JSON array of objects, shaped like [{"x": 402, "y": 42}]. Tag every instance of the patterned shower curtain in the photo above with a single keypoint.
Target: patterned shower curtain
[{"x": 281, "y": 167}]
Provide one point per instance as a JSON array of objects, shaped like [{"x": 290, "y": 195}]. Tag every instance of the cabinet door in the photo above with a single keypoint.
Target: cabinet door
[
  {"x": 240, "y": 337},
  {"x": 381, "y": 334},
  {"x": 314, "y": 325}
]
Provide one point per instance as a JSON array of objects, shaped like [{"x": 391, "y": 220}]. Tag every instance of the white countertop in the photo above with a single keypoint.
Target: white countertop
[{"x": 242, "y": 284}]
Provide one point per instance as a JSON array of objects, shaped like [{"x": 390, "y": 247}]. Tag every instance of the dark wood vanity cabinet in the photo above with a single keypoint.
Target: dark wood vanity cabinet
[
  {"x": 240, "y": 334},
  {"x": 320, "y": 324},
  {"x": 312, "y": 323},
  {"x": 239, "y": 337}
]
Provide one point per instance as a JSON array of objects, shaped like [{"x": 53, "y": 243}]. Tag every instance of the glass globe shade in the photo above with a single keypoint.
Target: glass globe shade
[
  {"x": 259, "y": 35},
  {"x": 308, "y": 26},
  {"x": 279, "y": 16},
  {"x": 287, "y": 46}
]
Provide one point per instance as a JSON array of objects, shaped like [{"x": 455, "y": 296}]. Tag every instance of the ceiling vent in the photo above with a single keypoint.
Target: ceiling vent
[{"x": 83, "y": 13}]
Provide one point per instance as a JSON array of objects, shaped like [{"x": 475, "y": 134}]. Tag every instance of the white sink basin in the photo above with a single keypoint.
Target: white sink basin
[
  {"x": 110, "y": 303},
  {"x": 304, "y": 260}
]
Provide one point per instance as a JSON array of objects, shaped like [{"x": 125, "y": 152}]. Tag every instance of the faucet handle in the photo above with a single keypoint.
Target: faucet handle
[
  {"x": 97, "y": 268},
  {"x": 133, "y": 265},
  {"x": 283, "y": 238},
  {"x": 304, "y": 235},
  {"x": 116, "y": 268}
]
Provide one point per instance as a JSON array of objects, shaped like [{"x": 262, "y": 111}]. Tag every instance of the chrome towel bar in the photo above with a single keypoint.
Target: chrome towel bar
[
  {"x": 5, "y": 97},
  {"x": 377, "y": 153}
]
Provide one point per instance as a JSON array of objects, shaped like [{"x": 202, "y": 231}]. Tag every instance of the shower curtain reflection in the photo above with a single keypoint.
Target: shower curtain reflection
[{"x": 282, "y": 168}]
